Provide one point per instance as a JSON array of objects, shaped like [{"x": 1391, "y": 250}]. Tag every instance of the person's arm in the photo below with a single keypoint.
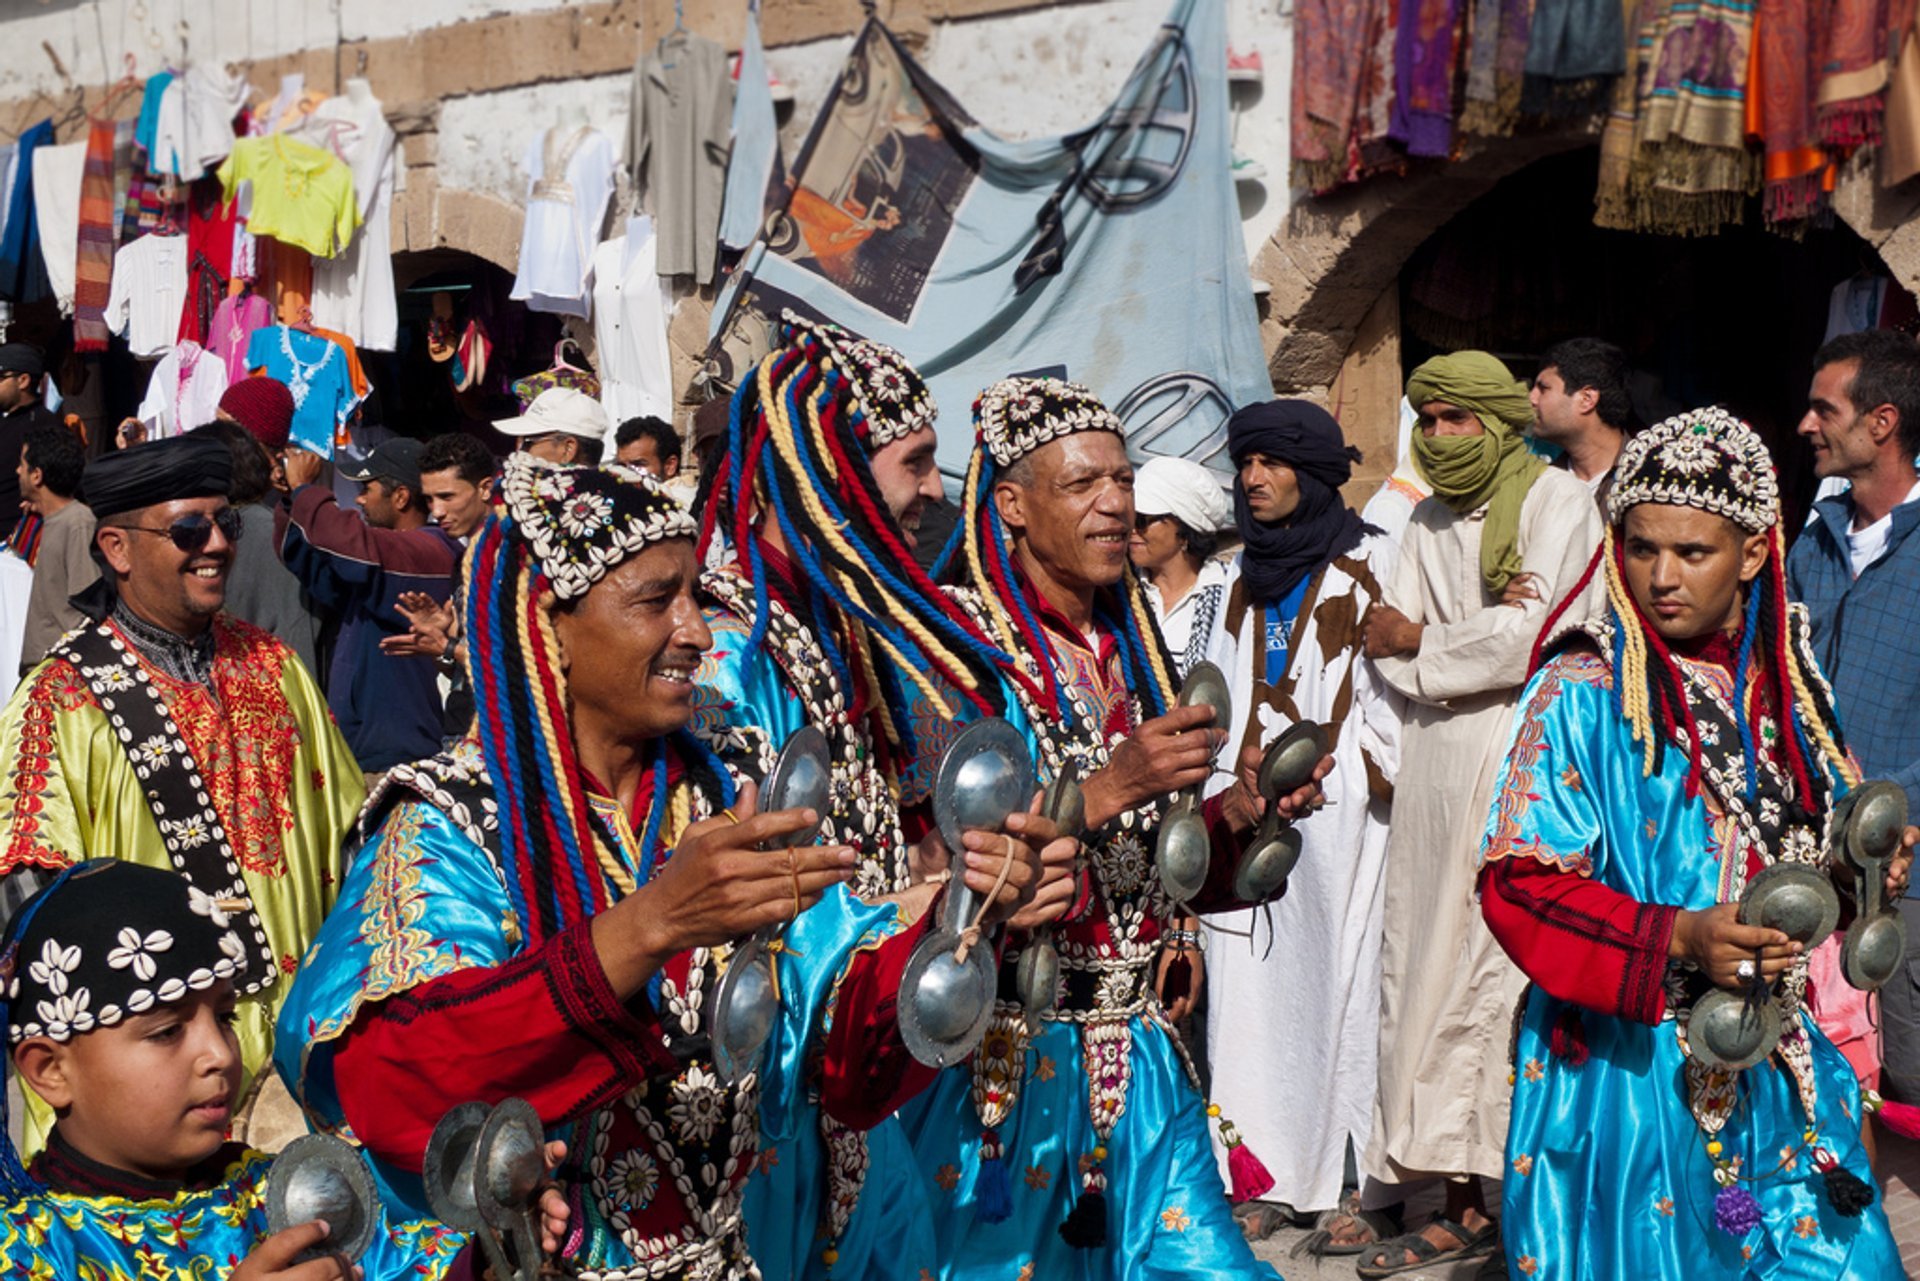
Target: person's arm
[
  {"x": 1579, "y": 940},
  {"x": 866, "y": 1072},
  {"x": 545, "y": 1026},
  {"x": 316, "y": 516},
  {"x": 1489, "y": 649}
]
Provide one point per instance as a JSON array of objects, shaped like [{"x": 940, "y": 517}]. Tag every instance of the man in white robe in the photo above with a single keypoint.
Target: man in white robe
[
  {"x": 1295, "y": 1000},
  {"x": 1484, "y": 559}
]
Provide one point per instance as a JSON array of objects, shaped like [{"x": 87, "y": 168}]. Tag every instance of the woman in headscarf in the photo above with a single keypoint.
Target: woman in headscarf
[
  {"x": 1501, "y": 540},
  {"x": 1179, "y": 513}
]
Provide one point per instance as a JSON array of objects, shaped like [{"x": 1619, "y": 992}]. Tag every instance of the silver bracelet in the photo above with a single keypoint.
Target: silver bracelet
[{"x": 1186, "y": 938}]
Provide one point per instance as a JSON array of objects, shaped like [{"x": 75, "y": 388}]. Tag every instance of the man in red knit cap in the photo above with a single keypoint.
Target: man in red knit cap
[{"x": 264, "y": 407}]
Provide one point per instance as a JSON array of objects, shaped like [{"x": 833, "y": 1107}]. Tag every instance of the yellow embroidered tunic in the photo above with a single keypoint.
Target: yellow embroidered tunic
[{"x": 278, "y": 774}]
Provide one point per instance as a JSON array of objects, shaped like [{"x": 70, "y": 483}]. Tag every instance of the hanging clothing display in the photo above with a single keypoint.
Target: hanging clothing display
[
  {"x": 149, "y": 287},
  {"x": 353, "y": 291},
  {"x": 356, "y": 375},
  {"x": 23, "y": 276},
  {"x": 235, "y": 322},
  {"x": 93, "y": 235},
  {"x": 630, "y": 326},
  {"x": 213, "y": 97},
  {"x": 315, "y": 371},
  {"x": 184, "y": 391},
  {"x": 301, "y": 194},
  {"x": 677, "y": 146},
  {"x": 56, "y": 204},
  {"x": 210, "y": 222},
  {"x": 570, "y": 180}
]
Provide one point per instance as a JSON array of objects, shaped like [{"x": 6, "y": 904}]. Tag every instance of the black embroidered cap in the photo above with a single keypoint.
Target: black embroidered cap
[
  {"x": 108, "y": 940},
  {"x": 581, "y": 522},
  {"x": 1016, "y": 416},
  {"x": 1704, "y": 458},
  {"x": 890, "y": 393}
]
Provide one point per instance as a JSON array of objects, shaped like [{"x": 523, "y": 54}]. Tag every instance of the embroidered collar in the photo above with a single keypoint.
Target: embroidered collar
[
  {"x": 187, "y": 659},
  {"x": 64, "y": 1168}
]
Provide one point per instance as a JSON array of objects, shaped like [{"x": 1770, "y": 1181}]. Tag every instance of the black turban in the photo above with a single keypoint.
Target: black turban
[
  {"x": 163, "y": 471},
  {"x": 1306, "y": 438}
]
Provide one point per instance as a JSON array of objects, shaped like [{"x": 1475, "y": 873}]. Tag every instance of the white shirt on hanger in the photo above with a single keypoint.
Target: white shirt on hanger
[
  {"x": 184, "y": 391},
  {"x": 564, "y": 215},
  {"x": 630, "y": 326},
  {"x": 353, "y": 291},
  {"x": 57, "y": 173},
  {"x": 149, "y": 288}
]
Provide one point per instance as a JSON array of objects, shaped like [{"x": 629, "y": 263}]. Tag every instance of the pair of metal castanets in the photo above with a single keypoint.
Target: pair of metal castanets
[
  {"x": 1183, "y": 853},
  {"x": 1732, "y": 1030}
]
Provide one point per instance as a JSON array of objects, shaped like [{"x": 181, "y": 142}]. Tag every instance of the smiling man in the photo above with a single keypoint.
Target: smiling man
[{"x": 176, "y": 736}]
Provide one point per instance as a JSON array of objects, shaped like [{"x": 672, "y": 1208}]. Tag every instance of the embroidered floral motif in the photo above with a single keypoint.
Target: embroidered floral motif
[
  {"x": 1174, "y": 1219},
  {"x": 1570, "y": 779},
  {"x": 1527, "y": 1264},
  {"x": 1038, "y": 1178},
  {"x": 1806, "y": 1226},
  {"x": 1665, "y": 1206},
  {"x": 1043, "y": 1068},
  {"x": 56, "y": 687},
  {"x": 1523, "y": 1164},
  {"x": 947, "y": 1176},
  {"x": 1535, "y": 1070},
  {"x": 1517, "y": 790}
]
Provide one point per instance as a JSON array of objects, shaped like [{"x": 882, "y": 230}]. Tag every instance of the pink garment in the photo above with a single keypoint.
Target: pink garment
[
  {"x": 1842, "y": 1012},
  {"x": 233, "y": 324}
]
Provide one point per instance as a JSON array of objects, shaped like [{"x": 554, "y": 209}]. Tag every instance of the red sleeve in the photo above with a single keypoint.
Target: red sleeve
[
  {"x": 545, "y": 1026},
  {"x": 330, "y": 528},
  {"x": 1579, "y": 940},
  {"x": 866, "y": 1072}
]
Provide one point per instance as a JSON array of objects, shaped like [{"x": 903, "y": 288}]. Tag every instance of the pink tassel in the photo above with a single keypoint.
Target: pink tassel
[
  {"x": 1569, "y": 1040},
  {"x": 1251, "y": 1181},
  {"x": 1902, "y": 1118}
]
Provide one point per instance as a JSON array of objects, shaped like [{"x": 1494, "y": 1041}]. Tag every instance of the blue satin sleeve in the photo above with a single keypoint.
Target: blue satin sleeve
[{"x": 1544, "y": 806}]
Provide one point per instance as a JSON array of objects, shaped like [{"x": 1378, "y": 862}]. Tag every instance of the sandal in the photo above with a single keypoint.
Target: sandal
[
  {"x": 1389, "y": 1257},
  {"x": 1259, "y": 1220},
  {"x": 1376, "y": 1225}
]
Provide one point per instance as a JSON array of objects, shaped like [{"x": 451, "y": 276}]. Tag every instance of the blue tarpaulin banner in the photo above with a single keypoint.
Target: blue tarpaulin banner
[{"x": 1112, "y": 255}]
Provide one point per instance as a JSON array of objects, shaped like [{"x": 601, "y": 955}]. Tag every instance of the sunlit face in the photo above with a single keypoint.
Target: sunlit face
[
  {"x": 1686, "y": 568},
  {"x": 557, "y": 447},
  {"x": 908, "y": 480},
  {"x": 1438, "y": 418},
  {"x": 381, "y": 502},
  {"x": 1841, "y": 432},
  {"x": 1556, "y": 411},
  {"x": 1271, "y": 486},
  {"x": 1155, "y": 543},
  {"x": 630, "y": 646},
  {"x": 644, "y": 452},
  {"x": 456, "y": 505},
  {"x": 1075, "y": 517},
  {"x": 180, "y": 591},
  {"x": 154, "y": 1093}
]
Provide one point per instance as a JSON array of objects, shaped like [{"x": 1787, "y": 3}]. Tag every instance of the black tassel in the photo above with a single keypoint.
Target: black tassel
[
  {"x": 1845, "y": 1192},
  {"x": 1086, "y": 1225}
]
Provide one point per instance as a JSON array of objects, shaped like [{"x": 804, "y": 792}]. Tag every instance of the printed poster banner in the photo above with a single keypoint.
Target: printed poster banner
[{"x": 1112, "y": 255}]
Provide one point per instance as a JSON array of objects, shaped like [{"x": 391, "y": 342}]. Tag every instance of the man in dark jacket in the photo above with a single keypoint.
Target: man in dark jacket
[
  {"x": 388, "y": 707},
  {"x": 21, "y": 410}
]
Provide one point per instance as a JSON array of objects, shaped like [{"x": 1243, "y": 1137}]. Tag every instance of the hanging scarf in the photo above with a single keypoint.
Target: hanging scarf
[
  {"x": 1780, "y": 111},
  {"x": 1850, "y": 102},
  {"x": 1423, "y": 76},
  {"x": 1572, "y": 53},
  {"x": 1334, "y": 50},
  {"x": 1306, "y": 438},
  {"x": 93, "y": 270},
  {"x": 1494, "y": 469}
]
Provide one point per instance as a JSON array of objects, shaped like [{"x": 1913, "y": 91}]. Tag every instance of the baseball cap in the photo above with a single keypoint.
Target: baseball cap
[
  {"x": 397, "y": 460},
  {"x": 19, "y": 358},
  {"x": 559, "y": 409}
]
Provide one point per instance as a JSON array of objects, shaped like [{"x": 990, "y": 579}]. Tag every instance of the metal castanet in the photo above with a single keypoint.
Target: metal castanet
[
  {"x": 447, "y": 1172},
  {"x": 1270, "y": 856},
  {"x": 946, "y": 994},
  {"x": 747, "y": 1002},
  {"x": 1870, "y": 820},
  {"x": 319, "y": 1177},
  {"x": 1729, "y": 1032},
  {"x": 509, "y": 1162},
  {"x": 1795, "y": 899},
  {"x": 1037, "y": 973},
  {"x": 1182, "y": 853}
]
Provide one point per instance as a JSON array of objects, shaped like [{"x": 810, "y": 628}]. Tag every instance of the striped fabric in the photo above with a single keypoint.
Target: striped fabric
[{"x": 93, "y": 272}]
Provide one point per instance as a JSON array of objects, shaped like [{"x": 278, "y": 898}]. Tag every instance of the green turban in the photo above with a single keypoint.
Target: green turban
[{"x": 1494, "y": 470}]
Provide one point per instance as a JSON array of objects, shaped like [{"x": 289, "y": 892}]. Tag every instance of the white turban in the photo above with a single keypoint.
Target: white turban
[{"x": 1184, "y": 490}]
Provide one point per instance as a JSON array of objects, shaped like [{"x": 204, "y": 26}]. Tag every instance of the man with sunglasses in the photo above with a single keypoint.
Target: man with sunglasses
[
  {"x": 388, "y": 705},
  {"x": 169, "y": 733}
]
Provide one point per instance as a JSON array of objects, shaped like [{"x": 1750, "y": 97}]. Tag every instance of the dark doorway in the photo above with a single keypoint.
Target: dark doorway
[{"x": 1732, "y": 319}]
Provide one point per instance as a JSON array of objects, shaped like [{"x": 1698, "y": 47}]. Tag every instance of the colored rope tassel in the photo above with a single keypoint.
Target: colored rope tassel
[
  {"x": 993, "y": 1192},
  {"x": 1085, "y": 1227},
  {"x": 1847, "y": 1193},
  {"x": 1250, "y": 1178},
  {"x": 1570, "y": 1038},
  {"x": 1735, "y": 1212}
]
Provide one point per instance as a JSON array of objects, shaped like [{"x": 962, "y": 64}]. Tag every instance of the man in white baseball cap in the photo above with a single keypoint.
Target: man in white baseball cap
[
  {"x": 563, "y": 426},
  {"x": 1179, "y": 512}
]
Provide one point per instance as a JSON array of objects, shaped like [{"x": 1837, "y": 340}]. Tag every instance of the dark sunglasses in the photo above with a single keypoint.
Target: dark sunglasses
[{"x": 193, "y": 533}]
